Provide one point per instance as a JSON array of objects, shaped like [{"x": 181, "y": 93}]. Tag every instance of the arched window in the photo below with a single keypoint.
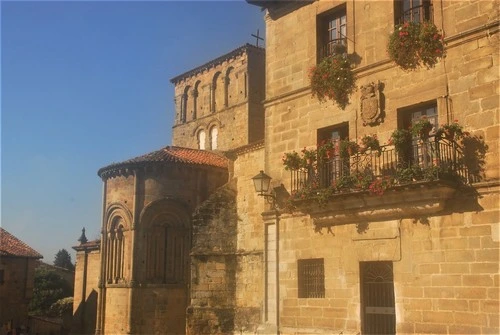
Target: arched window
[
  {"x": 166, "y": 240},
  {"x": 201, "y": 139},
  {"x": 214, "y": 132},
  {"x": 115, "y": 251}
]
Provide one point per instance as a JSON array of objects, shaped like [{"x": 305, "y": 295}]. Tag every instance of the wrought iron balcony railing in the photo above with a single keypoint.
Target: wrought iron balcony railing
[
  {"x": 333, "y": 47},
  {"x": 434, "y": 159}
]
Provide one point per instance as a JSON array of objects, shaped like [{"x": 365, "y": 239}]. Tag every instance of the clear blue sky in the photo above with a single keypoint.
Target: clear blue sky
[{"x": 85, "y": 84}]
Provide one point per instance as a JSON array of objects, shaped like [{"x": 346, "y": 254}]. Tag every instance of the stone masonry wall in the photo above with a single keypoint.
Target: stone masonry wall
[
  {"x": 239, "y": 122},
  {"x": 213, "y": 265},
  {"x": 17, "y": 289},
  {"x": 134, "y": 304},
  {"x": 446, "y": 271},
  {"x": 446, "y": 264},
  {"x": 86, "y": 291}
]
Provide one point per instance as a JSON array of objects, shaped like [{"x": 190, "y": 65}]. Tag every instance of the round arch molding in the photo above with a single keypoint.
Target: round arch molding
[
  {"x": 118, "y": 210},
  {"x": 168, "y": 209},
  {"x": 165, "y": 242}
]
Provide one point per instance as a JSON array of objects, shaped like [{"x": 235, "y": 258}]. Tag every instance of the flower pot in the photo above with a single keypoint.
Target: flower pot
[{"x": 449, "y": 134}]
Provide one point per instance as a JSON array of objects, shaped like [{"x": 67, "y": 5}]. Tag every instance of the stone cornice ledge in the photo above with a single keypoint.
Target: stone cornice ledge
[{"x": 413, "y": 200}]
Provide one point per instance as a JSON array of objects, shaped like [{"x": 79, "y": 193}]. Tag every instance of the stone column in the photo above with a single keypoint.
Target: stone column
[
  {"x": 178, "y": 107},
  {"x": 271, "y": 310},
  {"x": 102, "y": 279}
]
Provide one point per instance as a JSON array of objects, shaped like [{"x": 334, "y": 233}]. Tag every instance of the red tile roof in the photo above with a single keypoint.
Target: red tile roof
[
  {"x": 12, "y": 246},
  {"x": 171, "y": 154}
]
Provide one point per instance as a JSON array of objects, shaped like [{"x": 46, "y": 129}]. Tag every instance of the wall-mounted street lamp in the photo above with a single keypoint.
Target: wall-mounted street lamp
[{"x": 262, "y": 182}]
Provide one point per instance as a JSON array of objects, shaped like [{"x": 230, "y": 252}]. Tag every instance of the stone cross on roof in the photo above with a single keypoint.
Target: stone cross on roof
[{"x": 257, "y": 37}]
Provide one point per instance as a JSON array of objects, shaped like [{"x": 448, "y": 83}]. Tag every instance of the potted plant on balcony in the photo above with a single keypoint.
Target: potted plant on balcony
[
  {"x": 379, "y": 185},
  {"x": 333, "y": 79},
  {"x": 370, "y": 142},
  {"x": 292, "y": 161},
  {"x": 452, "y": 131},
  {"x": 348, "y": 148},
  {"x": 413, "y": 44},
  {"x": 401, "y": 139},
  {"x": 422, "y": 128},
  {"x": 327, "y": 150},
  {"x": 431, "y": 44},
  {"x": 309, "y": 157}
]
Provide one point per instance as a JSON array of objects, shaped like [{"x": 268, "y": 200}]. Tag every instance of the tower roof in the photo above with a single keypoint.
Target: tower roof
[
  {"x": 169, "y": 154},
  {"x": 12, "y": 246}
]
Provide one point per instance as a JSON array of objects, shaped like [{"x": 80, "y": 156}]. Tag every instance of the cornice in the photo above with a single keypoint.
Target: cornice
[{"x": 217, "y": 61}]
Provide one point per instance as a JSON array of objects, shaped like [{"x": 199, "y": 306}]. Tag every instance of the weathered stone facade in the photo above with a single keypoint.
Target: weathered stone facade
[
  {"x": 442, "y": 244},
  {"x": 219, "y": 104},
  {"x": 430, "y": 247},
  {"x": 87, "y": 273},
  {"x": 146, "y": 238}
]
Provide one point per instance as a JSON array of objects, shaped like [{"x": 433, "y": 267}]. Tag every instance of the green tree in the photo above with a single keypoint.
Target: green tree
[
  {"x": 49, "y": 287},
  {"x": 63, "y": 260}
]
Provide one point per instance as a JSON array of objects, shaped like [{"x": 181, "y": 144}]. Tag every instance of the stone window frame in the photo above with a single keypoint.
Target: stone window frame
[
  {"x": 412, "y": 11},
  {"x": 116, "y": 243},
  {"x": 326, "y": 23},
  {"x": 409, "y": 114},
  {"x": 311, "y": 278},
  {"x": 201, "y": 144},
  {"x": 213, "y": 142}
]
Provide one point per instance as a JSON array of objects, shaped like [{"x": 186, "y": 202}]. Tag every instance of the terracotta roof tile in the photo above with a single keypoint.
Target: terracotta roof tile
[
  {"x": 12, "y": 246},
  {"x": 172, "y": 154}
]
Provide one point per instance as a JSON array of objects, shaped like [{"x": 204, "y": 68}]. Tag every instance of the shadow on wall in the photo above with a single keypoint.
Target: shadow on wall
[{"x": 85, "y": 316}]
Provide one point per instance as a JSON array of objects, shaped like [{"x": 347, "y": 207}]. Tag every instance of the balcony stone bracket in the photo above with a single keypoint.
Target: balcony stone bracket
[{"x": 414, "y": 200}]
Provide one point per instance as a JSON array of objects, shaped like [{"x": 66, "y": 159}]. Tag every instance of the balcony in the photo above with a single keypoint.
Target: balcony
[{"x": 380, "y": 184}]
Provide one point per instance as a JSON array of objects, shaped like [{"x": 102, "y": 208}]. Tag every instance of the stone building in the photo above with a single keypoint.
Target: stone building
[
  {"x": 410, "y": 245},
  {"x": 17, "y": 275},
  {"x": 421, "y": 258},
  {"x": 87, "y": 271}
]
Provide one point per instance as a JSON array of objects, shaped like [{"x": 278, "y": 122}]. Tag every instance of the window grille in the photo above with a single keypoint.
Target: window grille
[{"x": 311, "y": 276}]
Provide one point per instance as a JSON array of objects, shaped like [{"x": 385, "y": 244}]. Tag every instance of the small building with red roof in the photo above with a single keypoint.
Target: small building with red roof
[{"x": 17, "y": 273}]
